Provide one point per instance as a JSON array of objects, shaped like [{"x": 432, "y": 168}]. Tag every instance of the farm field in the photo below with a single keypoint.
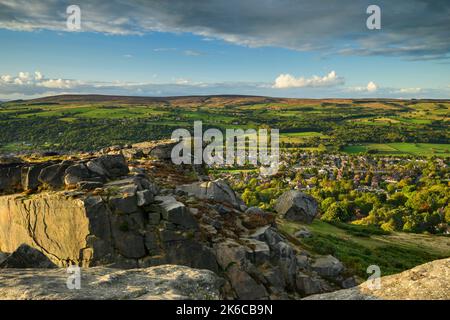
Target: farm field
[
  {"x": 401, "y": 148},
  {"x": 84, "y": 123}
]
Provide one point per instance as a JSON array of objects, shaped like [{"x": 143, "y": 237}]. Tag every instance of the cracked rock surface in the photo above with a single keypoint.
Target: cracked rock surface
[{"x": 167, "y": 282}]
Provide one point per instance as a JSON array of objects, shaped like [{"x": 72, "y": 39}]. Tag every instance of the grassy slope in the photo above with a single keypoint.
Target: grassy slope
[{"x": 358, "y": 247}]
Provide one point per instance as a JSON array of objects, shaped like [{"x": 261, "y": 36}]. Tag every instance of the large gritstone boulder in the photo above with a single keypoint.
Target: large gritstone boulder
[
  {"x": 111, "y": 165},
  {"x": 53, "y": 175},
  {"x": 297, "y": 206},
  {"x": 217, "y": 190},
  {"x": 328, "y": 266}
]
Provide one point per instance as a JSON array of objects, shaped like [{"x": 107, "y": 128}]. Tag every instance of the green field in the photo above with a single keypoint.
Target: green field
[
  {"x": 358, "y": 247},
  {"x": 402, "y": 148},
  {"x": 305, "y": 123}
]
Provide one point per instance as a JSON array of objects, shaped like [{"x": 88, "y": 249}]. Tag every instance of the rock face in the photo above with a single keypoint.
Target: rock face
[
  {"x": 126, "y": 226},
  {"x": 27, "y": 257},
  {"x": 217, "y": 190},
  {"x": 52, "y": 223},
  {"x": 429, "y": 281},
  {"x": 154, "y": 283},
  {"x": 297, "y": 206}
]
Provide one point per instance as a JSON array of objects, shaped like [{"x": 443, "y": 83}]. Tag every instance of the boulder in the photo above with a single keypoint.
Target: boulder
[
  {"x": 30, "y": 175},
  {"x": 272, "y": 237},
  {"x": 429, "y": 281},
  {"x": 58, "y": 225},
  {"x": 76, "y": 173},
  {"x": 176, "y": 212},
  {"x": 297, "y": 206},
  {"x": 10, "y": 178},
  {"x": 123, "y": 203},
  {"x": 165, "y": 282},
  {"x": 307, "y": 285},
  {"x": 284, "y": 256},
  {"x": 328, "y": 266},
  {"x": 217, "y": 190},
  {"x": 245, "y": 286},
  {"x": 96, "y": 167},
  {"x": 27, "y": 257},
  {"x": 258, "y": 252},
  {"x": 274, "y": 278},
  {"x": 52, "y": 176},
  {"x": 303, "y": 262},
  {"x": 162, "y": 150},
  {"x": 110, "y": 165},
  {"x": 144, "y": 198},
  {"x": 190, "y": 253},
  {"x": 231, "y": 257}
]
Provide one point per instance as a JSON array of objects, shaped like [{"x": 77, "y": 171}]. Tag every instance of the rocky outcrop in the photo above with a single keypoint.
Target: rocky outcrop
[
  {"x": 10, "y": 177},
  {"x": 165, "y": 282},
  {"x": 429, "y": 281},
  {"x": 26, "y": 257},
  {"x": 124, "y": 224},
  {"x": 297, "y": 206},
  {"x": 217, "y": 190},
  {"x": 104, "y": 210}
]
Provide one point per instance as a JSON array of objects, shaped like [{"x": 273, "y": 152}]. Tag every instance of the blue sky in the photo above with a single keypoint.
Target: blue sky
[{"x": 203, "y": 50}]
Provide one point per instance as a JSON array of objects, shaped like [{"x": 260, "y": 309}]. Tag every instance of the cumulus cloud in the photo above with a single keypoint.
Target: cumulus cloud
[
  {"x": 26, "y": 83},
  {"x": 415, "y": 29},
  {"x": 370, "y": 87},
  {"x": 284, "y": 81},
  {"x": 31, "y": 85}
]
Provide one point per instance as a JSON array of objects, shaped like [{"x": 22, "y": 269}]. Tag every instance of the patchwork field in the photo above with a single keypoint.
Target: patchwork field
[
  {"x": 416, "y": 149},
  {"x": 77, "y": 122}
]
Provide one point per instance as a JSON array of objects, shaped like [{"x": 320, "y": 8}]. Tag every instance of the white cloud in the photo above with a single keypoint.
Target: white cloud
[
  {"x": 56, "y": 84},
  {"x": 408, "y": 90},
  {"x": 372, "y": 87},
  {"x": 25, "y": 83},
  {"x": 284, "y": 81},
  {"x": 37, "y": 75},
  {"x": 32, "y": 85},
  {"x": 5, "y": 78}
]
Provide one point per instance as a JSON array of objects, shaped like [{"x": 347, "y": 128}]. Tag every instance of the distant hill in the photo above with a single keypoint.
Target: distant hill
[
  {"x": 208, "y": 100},
  {"x": 175, "y": 100}
]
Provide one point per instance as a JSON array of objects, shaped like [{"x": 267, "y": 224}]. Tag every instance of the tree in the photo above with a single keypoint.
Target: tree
[{"x": 337, "y": 212}]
